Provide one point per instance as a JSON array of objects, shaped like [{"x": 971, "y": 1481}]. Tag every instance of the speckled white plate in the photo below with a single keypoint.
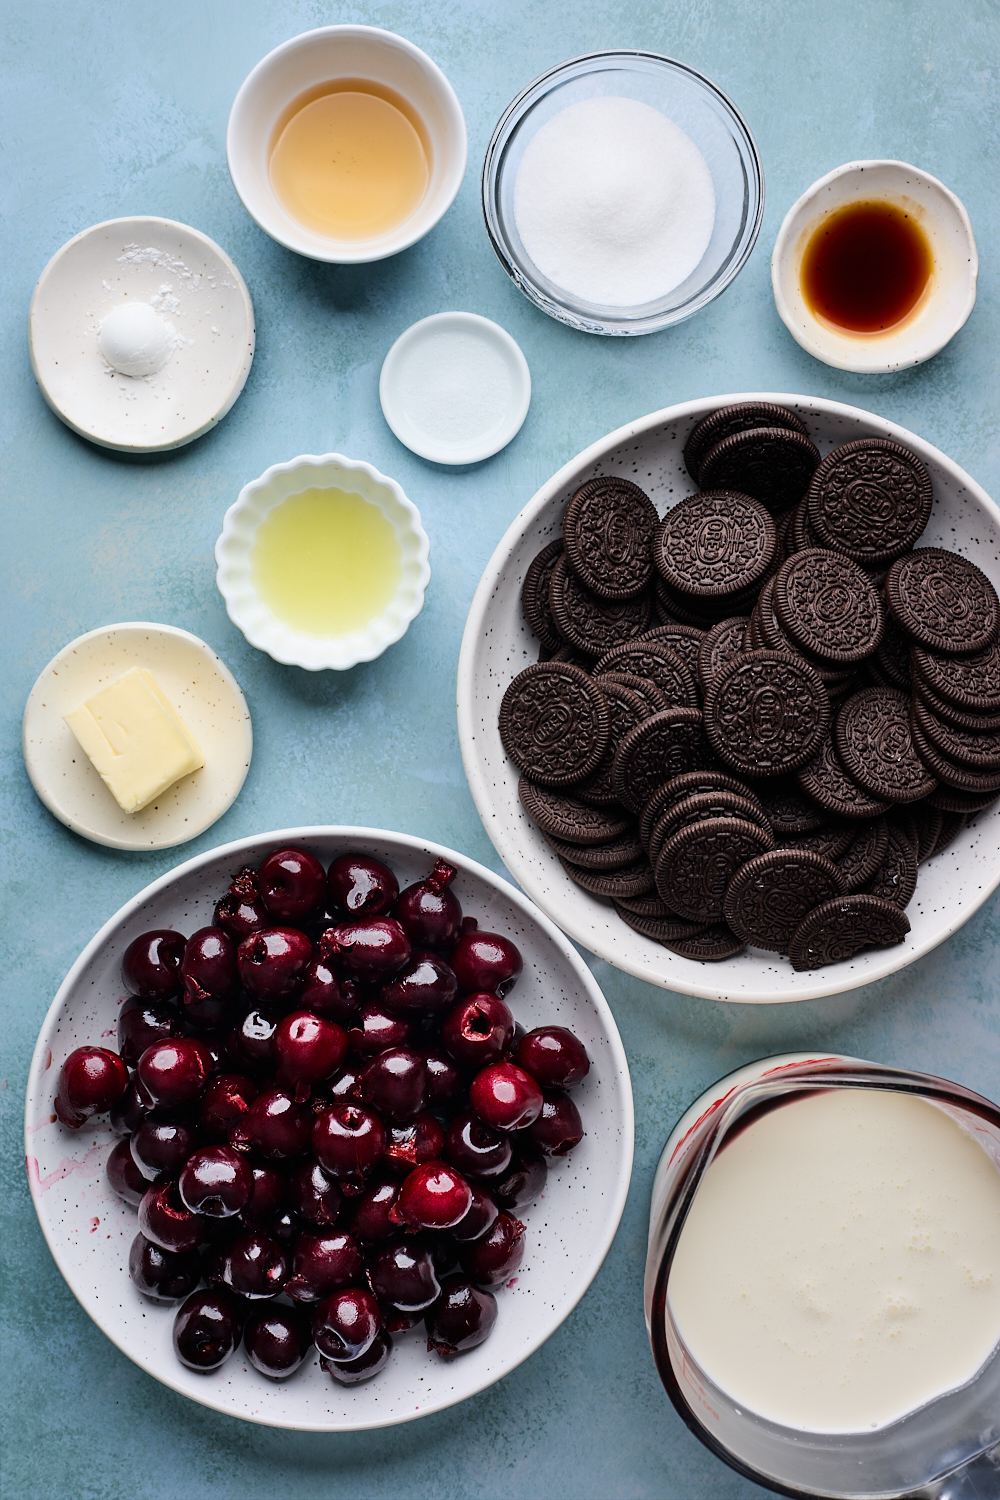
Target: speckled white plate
[
  {"x": 205, "y": 694},
  {"x": 570, "y": 1229},
  {"x": 497, "y": 644},
  {"x": 192, "y": 283}
]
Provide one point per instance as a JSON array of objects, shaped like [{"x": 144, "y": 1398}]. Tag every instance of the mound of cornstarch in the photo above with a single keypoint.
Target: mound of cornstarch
[{"x": 614, "y": 203}]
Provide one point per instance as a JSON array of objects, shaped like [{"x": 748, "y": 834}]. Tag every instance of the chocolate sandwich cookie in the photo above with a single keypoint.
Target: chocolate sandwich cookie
[
  {"x": 892, "y": 655},
  {"x": 864, "y": 855},
  {"x": 977, "y": 723},
  {"x": 710, "y": 946},
  {"x": 722, "y": 644},
  {"x": 657, "y": 662},
  {"x": 895, "y": 879},
  {"x": 630, "y": 880},
  {"x": 593, "y": 625},
  {"x": 951, "y": 826},
  {"x": 695, "y": 809},
  {"x": 949, "y": 772},
  {"x": 874, "y": 740},
  {"x": 691, "y": 784},
  {"x": 870, "y": 500},
  {"x": 772, "y": 464},
  {"x": 927, "y": 820},
  {"x": 800, "y": 534},
  {"x": 683, "y": 640},
  {"x": 831, "y": 840},
  {"x": 789, "y": 810},
  {"x": 971, "y": 683},
  {"x": 649, "y": 905},
  {"x": 625, "y": 850},
  {"x": 774, "y": 637},
  {"x": 825, "y": 780},
  {"x": 627, "y": 710},
  {"x": 768, "y": 896},
  {"x": 672, "y": 606},
  {"x": 666, "y": 745},
  {"x": 827, "y": 604},
  {"x": 555, "y": 723},
  {"x": 697, "y": 863},
  {"x": 714, "y": 545},
  {"x": 838, "y": 929},
  {"x": 972, "y": 748},
  {"x": 943, "y": 601},
  {"x": 766, "y": 713},
  {"x": 727, "y": 420},
  {"x": 570, "y": 655},
  {"x": 607, "y": 530},
  {"x": 650, "y": 694},
  {"x": 535, "y": 596},
  {"x": 660, "y": 929},
  {"x": 567, "y": 818},
  {"x": 948, "y": 799}
]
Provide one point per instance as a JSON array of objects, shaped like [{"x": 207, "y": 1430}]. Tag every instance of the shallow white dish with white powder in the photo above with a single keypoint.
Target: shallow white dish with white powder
[{"x": 141, "y": 334}]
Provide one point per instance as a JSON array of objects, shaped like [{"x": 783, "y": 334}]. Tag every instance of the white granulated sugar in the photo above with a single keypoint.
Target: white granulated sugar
[
  {"x": 614, "y": 203},
  {"x": 454, "y": 387}
]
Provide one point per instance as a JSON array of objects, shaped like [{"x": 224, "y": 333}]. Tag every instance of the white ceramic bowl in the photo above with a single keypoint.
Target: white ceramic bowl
[
  {"x": 89, "y": 1229},
  {"x": 318, "y": 57},
  {"x": 498, "y": 644},
  {"x": 245, "y": 607},
  {"x": 944, "y": 307}
]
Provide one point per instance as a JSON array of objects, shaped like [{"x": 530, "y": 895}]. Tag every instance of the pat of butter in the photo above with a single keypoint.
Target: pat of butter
[{"x": 135, "y": 739}]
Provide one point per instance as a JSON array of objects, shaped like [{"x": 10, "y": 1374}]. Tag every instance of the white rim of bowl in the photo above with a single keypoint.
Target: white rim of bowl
[
  {"x": 826, "y": 352},
  {"x": 281, "y": 837},
  {"x": 341, "y": 254},
  {"x": 290, "y": 647},
  {"x": 424, "y": 445},
  {"x": 482, "y": 789}
]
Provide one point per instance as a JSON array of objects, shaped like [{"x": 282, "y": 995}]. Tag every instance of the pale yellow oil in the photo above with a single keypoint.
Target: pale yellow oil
[
  {"x": 350, "y": 160},
  {"x": 325, "y": 562}
]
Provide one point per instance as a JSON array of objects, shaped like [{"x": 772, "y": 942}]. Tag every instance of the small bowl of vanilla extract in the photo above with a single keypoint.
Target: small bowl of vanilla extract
[{"x": 875, "y": 266}]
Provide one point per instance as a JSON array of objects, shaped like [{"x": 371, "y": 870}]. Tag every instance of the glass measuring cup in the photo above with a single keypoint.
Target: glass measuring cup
[{"x": 948, "y": 1449}]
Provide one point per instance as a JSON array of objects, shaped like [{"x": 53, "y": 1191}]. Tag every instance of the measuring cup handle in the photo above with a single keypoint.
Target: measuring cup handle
[{"x": 977, "y": 1480}]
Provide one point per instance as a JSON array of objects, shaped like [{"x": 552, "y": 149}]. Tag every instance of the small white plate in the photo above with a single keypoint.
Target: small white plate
[
  {"x": 198, "y": 684},
  {"x": 455, "y": 388},
  {"x": 192, "y": 283}
]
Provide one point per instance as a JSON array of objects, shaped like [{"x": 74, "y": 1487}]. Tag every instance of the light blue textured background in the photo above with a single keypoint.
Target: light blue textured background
[{"x": 113, "y": 109}]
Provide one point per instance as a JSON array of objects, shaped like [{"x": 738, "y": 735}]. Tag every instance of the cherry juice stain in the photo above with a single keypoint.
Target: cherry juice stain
[{"x": 866, "y": 267}]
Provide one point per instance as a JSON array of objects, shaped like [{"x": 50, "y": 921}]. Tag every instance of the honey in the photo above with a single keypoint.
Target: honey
[
  {"x": 326, "y": 562},
  {"x": 866, "y": 267},
  {"x": 350, "y": 160}
]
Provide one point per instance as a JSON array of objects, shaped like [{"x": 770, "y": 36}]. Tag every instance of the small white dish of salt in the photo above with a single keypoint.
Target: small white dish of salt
[{"x": 455, "y": 388}]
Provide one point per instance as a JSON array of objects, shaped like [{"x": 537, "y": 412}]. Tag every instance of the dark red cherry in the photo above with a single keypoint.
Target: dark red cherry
[
  {"x": 361, "y": 886},
  {"x": 207, "y": 1329},
  {"x": 371, "y": 949},
  {"x": 251, "y": 1042},
  {"x": 276, "y": 1340},
  {"x": 348, "y": 1141},
  {"x": 313, "y": 1195},
  {"x": 462, "y": 1317},
  {"x": 325, "y": 994},
  {"x": 445, "y": 1084},
  {"x": 505, "y": 1097},
  {"x": 132, "y": 1108},
  {"x": 370, "y": 1221},
  {"x": 409, "y": 1146},
  {"x": 91, "y": 1080},
  {"x": 216, "y": 1181},
  {"x": 478, "y": 1031},
  {"x": 226, "y": 1099},
  {"x": 274, "y": 1125},
  {"x": 375, "y": 1029},
  {"x": 208, "y": 967},
  {"x": 394, "y": 1084},
  {"x": 493, "y": 1259},
  {"x": 524, "y": 1183},
  {"x": 346, "y": 1324},
  {"x": 124, "y": 1176},
  {"x": 429, "y": 912},
  {"x": 174, "y": 1072},
  {"x": 475, "y": 1149},
  {"x": 308, "y": 1049},
  {"x": 403, "y": 1276},
  {"x": 322, "y": 1263},
  {"x": 479, "y": 1218},
  {"x": 266, "y": 1197},
  {"x": 340, "y": 1090},
  {"x": 254, "y": 1265},
  {"x": 485, "y": 961},
  {"x": 242, "y": 910},
  {"x": 273, "y": 963},
  {"x": 165, "y": 1220},
  {"x": 292, "y": 883},
  {"x": 354, "y": 1371},
  {"x": 161, "y": 1147},
  {"x": 151, "y": 965},
  {"x": 161, "y": 1275},
  {"x": 426, "y": 986},
  {"x": 285, "y": 1227},
  {"x": 554, "y": 1057},
  {"x": 433, "y": 1196},
  {"x": 558, "y": 1127},
  {"x": 209, "y": 1014},
  {"x": 143, "y": 1022}
]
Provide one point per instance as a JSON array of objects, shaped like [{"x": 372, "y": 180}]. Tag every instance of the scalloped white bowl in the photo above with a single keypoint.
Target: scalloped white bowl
[
  {"x": 570, "y": 1229},
  {"x": 259, "y": 624}
]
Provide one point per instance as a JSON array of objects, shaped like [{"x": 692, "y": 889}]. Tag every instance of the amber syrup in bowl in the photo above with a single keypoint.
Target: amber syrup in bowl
[{"x": 866, "y": 267}]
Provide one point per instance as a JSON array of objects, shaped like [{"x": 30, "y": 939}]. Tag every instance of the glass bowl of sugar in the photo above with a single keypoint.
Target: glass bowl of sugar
[{"x": 622, "y": 191}]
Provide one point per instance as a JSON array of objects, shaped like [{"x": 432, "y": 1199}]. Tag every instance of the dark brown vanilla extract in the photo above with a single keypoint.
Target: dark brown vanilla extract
[{"x": 866, "y": 267}]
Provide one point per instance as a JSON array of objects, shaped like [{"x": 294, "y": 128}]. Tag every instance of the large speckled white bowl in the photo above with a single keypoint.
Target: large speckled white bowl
[
  {"x": 89, "y": 1229},
  {"x": 498, "y": 644}
]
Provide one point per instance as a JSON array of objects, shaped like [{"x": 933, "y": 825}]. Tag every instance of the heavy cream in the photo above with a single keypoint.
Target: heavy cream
[{"x": 840, "y": 1264}]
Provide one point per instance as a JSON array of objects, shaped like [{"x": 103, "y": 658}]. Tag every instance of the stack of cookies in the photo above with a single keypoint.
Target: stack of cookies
[{"x": 750, "y": 720}]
